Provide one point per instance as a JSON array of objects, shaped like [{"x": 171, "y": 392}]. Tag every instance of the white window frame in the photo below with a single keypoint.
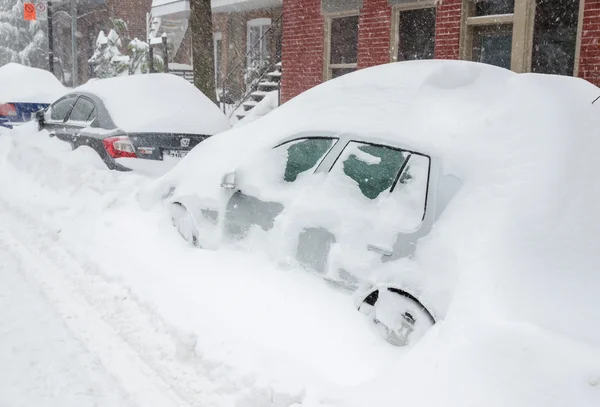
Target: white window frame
[
  {"x": 523, "y": 22},
  {"x": 396, "y": 10},
  {"x": 256, "y": 22},
  {"x": 328, "y": 66}
]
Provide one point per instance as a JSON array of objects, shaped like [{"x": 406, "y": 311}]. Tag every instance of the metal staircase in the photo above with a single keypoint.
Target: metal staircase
[{"x": 270, "y": 81}]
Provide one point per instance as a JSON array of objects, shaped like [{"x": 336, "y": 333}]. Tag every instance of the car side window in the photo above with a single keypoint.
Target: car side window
[
  {"x": 374, "y": 168},
  {"x": 84, "y": 111},
  {"x": 59, "y": 110},
  {"x": 410, "y": 191},
  {"x": 304, "y": 155}
]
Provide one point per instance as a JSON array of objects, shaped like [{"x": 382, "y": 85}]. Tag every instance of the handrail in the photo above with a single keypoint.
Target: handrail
[
  {"x": 253, "y": 88},
  {"x": 226, "y": 79}
]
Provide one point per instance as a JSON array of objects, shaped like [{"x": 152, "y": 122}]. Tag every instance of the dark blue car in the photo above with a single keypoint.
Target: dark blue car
[
  {"x": 24, "y": 91},
  {"x": 15, "y": 112}
]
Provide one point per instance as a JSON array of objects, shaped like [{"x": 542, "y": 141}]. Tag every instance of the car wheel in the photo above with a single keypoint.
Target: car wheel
[
  {"x": 398, "y": 316},
  {"x": 183, "y": 221}
]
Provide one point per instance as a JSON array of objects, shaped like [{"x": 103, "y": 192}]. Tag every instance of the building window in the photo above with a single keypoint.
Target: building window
[
  {"x": 257, "y": 41},
  {"x": 217, "y": 43},
  {"x": 341, "y": 45},
  {"x": 555, "y": 36},
  {"x": 522, "y": 35},
  {"x": 414, "y": 31}
]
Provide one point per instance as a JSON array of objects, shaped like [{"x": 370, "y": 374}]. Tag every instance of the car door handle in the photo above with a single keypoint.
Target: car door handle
[
  {"x": 384, "y": 251},
  {"x": 52, "y": 134}
]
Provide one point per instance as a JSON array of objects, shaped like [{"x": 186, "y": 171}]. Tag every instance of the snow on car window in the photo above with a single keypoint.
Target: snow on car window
[
  {"x": 410, "y": 193},
  {"x": 304, "y": 155},
  {"x": 373, "y": 168}
]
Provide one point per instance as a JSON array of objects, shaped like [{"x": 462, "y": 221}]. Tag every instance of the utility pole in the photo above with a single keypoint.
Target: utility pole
[
  {"x": 74, "y": 41},
  {"x": 50, "y": 39}
]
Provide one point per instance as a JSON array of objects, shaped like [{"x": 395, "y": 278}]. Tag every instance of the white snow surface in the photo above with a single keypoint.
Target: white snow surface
[
  {"x": 228, "y": 327},
  {"x": 157, "y": 103},
  {"x": 20, "y": 83}
]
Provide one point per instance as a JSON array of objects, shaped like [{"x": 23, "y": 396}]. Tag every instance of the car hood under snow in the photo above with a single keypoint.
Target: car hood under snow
[{"x": 158, "y": 102}]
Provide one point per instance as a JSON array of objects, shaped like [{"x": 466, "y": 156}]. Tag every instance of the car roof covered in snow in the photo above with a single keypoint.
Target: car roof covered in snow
[
  {"x": 23, "y": 84},
  {"x": 157, "y": 102}
]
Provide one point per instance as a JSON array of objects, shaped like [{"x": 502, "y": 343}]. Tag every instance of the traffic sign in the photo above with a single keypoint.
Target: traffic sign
[
  {"x": 41, "y": 9},
  {"x": 29, "y": 11}
]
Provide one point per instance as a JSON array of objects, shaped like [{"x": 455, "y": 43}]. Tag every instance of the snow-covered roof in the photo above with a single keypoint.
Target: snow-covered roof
[
  {"x": 182, "y": 7},
  {"x": 19, "y": 83},
  {"x": 157, "y": 103}
]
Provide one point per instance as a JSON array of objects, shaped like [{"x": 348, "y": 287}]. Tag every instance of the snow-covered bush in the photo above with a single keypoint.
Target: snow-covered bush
[
  {"x": 139, "y": 62},
  {"x": 107, "y": 59}
]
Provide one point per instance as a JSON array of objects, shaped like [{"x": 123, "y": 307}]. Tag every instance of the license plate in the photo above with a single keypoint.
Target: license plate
[{"x": 175, "y": 153}]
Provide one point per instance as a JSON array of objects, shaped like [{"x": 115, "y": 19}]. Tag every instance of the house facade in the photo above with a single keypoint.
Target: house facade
[
  {"x": 247, "y": 38},
  {"x": 324, "y": 39}
]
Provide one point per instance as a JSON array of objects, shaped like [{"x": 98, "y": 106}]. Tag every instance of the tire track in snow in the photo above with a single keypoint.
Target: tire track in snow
[
  {"x": 151, "y": 357},
  {"x": 139, "y": 380}
]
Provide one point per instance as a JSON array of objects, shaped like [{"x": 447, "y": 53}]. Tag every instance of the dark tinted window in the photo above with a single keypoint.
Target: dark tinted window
[
  {"x": 303, "y": 155},
  {"x": 493, "y": 7},
  {"x": 84, "y": 111},
  {"x": 416, "y": 36},
  {"x": 60, "y": 110},
  {"x": 555, "y": 36},
  {"x": 344, "y": 40},
  {"x": 492, "y": 44}
]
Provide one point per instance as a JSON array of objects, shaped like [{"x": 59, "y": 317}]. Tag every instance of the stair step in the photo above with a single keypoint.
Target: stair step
[
  {"x": 274, "y": 74},
  {"x": 268, "y": 84},
  {"x": 249, "y": 104},
  {"x": 259, "y": 94}
]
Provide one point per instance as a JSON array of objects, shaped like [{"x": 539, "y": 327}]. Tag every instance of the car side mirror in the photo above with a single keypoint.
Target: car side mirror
[
  {"x": 39, "y": 117},
  {"x": 228, "y": 181}
]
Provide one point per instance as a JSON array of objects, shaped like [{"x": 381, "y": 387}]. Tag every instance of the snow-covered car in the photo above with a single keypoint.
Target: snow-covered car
[
  {"x": 145, "y": 123},
  {"x": 24, "y": 91},
  {"x": 355, "y": 180}
]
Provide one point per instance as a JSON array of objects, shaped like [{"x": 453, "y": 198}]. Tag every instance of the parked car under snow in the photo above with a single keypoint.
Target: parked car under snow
[
  {"x": 24, "y": 91},
  {"x": 142, "y": 122},
  {"x": 354, "y": 181}
]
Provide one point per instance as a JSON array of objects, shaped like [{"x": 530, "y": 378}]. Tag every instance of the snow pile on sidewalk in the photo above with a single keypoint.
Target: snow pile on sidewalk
[{"x": 521, "y": 331}]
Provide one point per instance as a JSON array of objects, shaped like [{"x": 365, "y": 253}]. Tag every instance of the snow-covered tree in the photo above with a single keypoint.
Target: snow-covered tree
[
  {"x": 108, "y": 60},
  {"x": 21, "y": 41},
  {"x": 139, "y": 62}
]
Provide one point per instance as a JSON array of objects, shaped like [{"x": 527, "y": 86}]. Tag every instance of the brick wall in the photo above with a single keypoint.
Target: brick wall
[
  {"x": 374, "y": 33},
  {"x": 133, "y": 12},
  {"x": 303, "y": 46},
  {"x": 447, "y": 29},
  {"x": 589, "y": 60}
]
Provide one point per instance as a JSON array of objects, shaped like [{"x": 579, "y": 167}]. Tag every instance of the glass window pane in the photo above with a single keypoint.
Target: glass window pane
[
  {"x": 493, "y": 44},
  {"x": 411, "y": 190},
  {"x": 373, "y": 168},
  {"x": 493, "y": 7},
  {"x": 82, "y": 110},
  {"x": 337, "y": 72},
  {"x": 555, "y": 36},
  {"x": 60, "y": 110},
  {"x": 344, "y": 40},
  {"x": 304, "y": 155},
  {"x": 416, "y": 36}
]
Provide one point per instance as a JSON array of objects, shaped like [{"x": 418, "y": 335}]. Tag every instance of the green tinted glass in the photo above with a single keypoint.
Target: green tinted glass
[
  {"x": 376, "y": 171},
  {"x": 304, "y": 155}
]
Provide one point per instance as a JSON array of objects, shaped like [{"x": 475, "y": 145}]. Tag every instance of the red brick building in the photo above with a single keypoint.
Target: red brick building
[{"x": 323, "y": 39}]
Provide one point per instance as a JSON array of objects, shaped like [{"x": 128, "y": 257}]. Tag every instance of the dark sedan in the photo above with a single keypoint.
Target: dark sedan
[{"x": 145, "y": 123}]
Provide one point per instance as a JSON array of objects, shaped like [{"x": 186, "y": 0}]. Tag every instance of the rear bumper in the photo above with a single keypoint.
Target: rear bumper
[{"x": 152, "y": 168}]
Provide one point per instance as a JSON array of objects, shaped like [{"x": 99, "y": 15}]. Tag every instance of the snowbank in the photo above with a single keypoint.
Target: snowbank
[
  {"x": 23, "y": 84},
  {"x": 157, "y": 103},
  {"x": 269, "y": 103}
]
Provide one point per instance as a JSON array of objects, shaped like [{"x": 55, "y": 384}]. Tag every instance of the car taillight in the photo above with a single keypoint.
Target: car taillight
[
  {"x": 8, "y": 109},
  {"x": 119, "y": 147}
]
